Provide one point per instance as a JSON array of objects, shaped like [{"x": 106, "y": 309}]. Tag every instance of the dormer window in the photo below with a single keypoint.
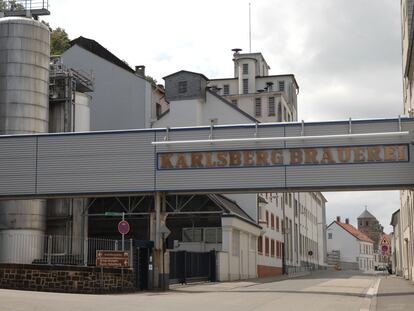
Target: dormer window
[{"x": 182, "y": 87}]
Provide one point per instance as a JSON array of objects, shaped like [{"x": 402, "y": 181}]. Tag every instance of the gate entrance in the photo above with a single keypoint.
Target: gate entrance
[
  {"x": 143, "y": 265},
  {"x": 188, "y": 267}
]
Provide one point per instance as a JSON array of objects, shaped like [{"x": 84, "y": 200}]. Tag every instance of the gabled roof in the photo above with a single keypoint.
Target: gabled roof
[
  {"x": 186, "y": 71},
  {"x": 366, "y": 214},
  {"x": 233, "y": 106},
  {"x": 97, "y": 49},
  {"x": 231, "y": 208},
  {"x": 353, "y": 231},
  {"x": 394, "y": 219}
]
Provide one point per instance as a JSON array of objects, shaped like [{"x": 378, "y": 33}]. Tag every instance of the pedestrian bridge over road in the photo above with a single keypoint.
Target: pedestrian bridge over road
[{"x": 340, "y": 155}]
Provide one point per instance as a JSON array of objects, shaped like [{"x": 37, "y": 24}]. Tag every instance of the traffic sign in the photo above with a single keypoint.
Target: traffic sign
[
  {"x": 165, "y": 232},
  {"x": 123, "y": 227}
]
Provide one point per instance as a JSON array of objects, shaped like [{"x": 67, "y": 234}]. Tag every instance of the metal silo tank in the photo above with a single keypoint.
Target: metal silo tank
[{"x": 24, "y": 87}]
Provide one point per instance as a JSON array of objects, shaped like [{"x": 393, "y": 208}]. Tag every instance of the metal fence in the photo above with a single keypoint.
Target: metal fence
[
  {"x": 18, "y": 5},
  {"x": 55, "y": 249}
]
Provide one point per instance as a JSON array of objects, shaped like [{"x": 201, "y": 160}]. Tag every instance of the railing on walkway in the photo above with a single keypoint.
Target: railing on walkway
[
  {"x": 19, "y": 5},
  {"x": 23, "y": 248}
]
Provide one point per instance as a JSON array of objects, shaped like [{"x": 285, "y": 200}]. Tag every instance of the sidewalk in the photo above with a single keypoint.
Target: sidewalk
[{"x": 395, "y": 293}]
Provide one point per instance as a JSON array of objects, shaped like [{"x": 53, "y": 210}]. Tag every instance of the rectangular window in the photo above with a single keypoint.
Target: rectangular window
[
  {"x": 245, "y": 86},
  {"x": 245, "y": 69},
  {"x": 226, "y": 89},
  {"x": 330, "y": 236},
  {"x": 279, "y": 112},
  {"x": 258, "y": 107},
  {"x": 182, "y": 87},
  {"x": 267, "y": 246},
  {"x": 272, "y": 111},
  {"x": 295, "y": 207},
  {"x": 260, "y": 245},
  {"x": 277, "y": 249},
  {"x": 272, "y": 221},
  {"x": 281, "y": 86},
  {"x": 158, "y": 110},
  {"x": 267, "y": 218},
  {"x": 277, "y": 223},
  {"x": 272, "y": 248},
  {"x": 234, "y": 101}
]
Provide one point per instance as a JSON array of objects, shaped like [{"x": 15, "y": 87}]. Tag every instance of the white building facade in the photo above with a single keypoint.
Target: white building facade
[
  {"x": 293, "y": 223},
  {"x": 356, "y": 250},
  {"x": 397, "y": 244},
  {"x": 406, "y": 223},
  {"x": 273, "y": 98}
]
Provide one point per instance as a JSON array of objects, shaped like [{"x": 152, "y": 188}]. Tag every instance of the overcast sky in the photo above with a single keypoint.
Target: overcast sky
[{"x": 346, "y": 55}]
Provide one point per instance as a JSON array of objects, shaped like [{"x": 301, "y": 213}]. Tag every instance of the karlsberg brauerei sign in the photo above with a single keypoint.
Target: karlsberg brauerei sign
[{"x": 283, "y": 157}]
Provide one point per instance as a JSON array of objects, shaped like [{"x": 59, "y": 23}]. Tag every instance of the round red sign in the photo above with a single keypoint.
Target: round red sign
[{"x": 123, "y": 227}]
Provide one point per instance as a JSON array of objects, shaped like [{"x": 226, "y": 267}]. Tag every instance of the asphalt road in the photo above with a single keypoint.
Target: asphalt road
[{"x": 321, "y": 291}]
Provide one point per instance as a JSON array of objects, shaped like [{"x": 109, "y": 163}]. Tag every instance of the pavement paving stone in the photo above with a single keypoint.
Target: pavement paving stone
[{"x": 395, "y": 294}]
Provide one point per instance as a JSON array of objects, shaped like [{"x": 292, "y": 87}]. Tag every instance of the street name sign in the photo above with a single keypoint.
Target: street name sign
[{"x": 112, "y": 259}]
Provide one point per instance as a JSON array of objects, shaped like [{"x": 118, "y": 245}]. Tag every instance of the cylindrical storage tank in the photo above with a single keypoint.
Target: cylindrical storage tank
[
  {"x": 82, "y": 112},
  {"x": 24, "y": 105}
]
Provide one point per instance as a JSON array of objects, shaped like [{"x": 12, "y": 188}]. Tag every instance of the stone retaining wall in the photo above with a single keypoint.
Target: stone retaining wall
[{"x": 66, "y": 279}]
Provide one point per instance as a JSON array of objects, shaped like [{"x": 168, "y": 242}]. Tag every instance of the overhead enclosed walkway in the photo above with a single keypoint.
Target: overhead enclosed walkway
[{"x": 351, "y": 155}]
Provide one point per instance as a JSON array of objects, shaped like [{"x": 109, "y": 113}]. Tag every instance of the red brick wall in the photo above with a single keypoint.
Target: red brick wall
[{"x": 267, "y": 271}]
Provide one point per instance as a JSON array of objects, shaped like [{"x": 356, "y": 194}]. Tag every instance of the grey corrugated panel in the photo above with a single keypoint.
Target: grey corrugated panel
[
  {"x": 111, "y": 162},
  {"x": 350, "y": 175},
  {"x": 221, "y": 133},
  {"x": 228, "y": 178},
  {"x": 339, "y": 129},
  {"x": 17, "y": 165}
]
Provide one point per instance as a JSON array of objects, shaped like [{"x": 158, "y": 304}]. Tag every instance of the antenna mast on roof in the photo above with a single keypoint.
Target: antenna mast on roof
[{"x": 250, "y": 30}]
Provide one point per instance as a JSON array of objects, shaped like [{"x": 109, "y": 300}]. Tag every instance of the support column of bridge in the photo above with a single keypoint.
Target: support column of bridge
[{"x": 161, "y": 264}]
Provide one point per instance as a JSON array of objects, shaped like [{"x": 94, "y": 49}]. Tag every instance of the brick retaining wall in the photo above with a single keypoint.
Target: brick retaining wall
[
  {"x": 66, "y": 279},
  {"x": 268, "y": 271}
]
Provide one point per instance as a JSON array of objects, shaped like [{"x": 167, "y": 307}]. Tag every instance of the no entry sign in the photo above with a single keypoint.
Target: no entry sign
[{"x": 123, "y": 227}]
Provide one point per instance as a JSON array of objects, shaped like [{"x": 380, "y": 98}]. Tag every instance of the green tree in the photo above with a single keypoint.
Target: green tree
[
  {"x": 151, "y": 80},
  {"x": 10, "y": 5},
  {"x": 59, "y": 41}
]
